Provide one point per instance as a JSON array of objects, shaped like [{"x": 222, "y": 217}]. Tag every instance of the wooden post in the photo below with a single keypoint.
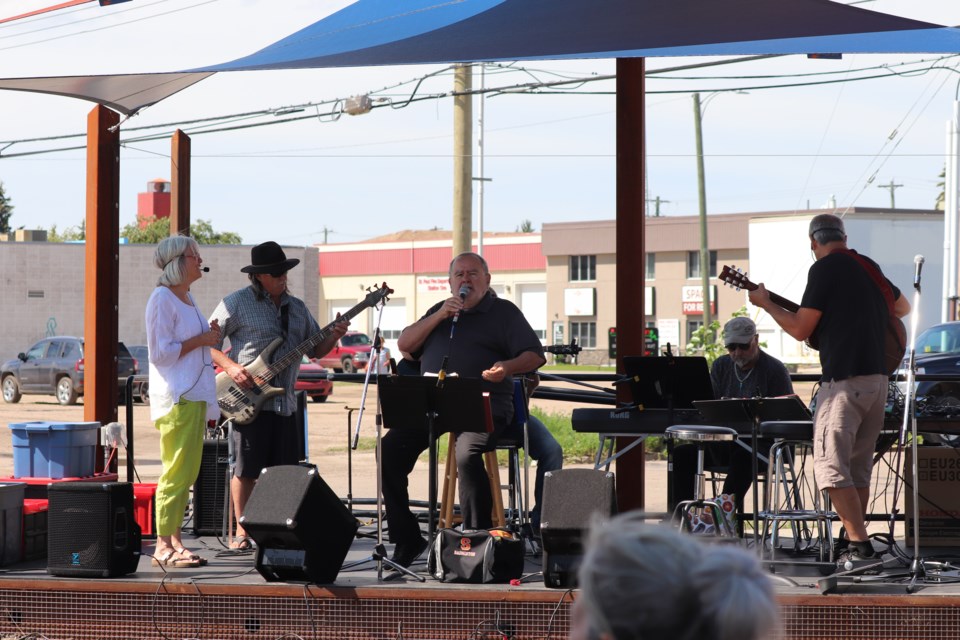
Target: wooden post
[
  {"x": 102, "y": 275},
  {"x": 180, "y": 177},
  {"x": 630, "y": 256}
]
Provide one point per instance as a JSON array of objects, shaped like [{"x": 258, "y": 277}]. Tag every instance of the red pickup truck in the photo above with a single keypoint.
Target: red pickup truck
[{"x": 352, "y": 354}]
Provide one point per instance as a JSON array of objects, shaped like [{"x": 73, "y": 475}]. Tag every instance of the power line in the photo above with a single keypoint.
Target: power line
[{"x": 334, "y": 107}]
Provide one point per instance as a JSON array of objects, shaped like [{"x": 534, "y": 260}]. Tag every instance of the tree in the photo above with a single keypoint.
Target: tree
[
  {"x": 202, "y": 231},
  {"x": 70, "y": 234},
  {"x": 6, "y": 210},
  {"x": 707, "y": 341},
  {"x": 525, "y": 227},
  {"x": 940, "y": 204}
]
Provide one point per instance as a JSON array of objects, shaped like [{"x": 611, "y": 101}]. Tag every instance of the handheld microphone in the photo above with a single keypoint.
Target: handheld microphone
[
  {"x": 463, "y": 293},
  {"x": 205, "y": 269},
  {"x": 918, "y": 260}
]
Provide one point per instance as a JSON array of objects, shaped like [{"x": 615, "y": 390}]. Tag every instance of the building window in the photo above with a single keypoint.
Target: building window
[
  {"x": 585, "y": 334},
  {"x": 692, "y": 325},
  {"x": 693, "y": 264},
  {"x": 583, "y": 268},
  {"x": 650, "y": 269},
  {"x": 391, "y": 334}
]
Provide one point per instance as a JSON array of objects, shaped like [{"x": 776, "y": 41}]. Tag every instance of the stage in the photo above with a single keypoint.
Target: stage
[{"x": 228, "y": 598}]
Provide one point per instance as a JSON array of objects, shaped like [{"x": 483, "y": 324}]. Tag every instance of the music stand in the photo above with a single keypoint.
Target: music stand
[
  {"x": 456, "y": 405},
  {"x": 753, "y": 411},
  {"x": 658, "y": 382}
]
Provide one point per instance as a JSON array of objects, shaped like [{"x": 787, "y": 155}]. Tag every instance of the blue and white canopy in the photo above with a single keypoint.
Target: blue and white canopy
[{"x": 395, "y": 32}]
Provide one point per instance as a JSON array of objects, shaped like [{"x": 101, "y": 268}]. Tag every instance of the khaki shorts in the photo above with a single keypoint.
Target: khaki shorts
[{"x": 846, "y": 426}]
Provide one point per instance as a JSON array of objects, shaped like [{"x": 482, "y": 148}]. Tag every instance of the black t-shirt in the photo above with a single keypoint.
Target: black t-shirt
[
  {"x": 853, "y": 325},
  {"x": 493, "y": 331}
]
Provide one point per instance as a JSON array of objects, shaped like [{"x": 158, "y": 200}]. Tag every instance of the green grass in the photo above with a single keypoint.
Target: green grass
[
  {"x": 577, "y": 447},
  {"x": 587, "y": 368}
]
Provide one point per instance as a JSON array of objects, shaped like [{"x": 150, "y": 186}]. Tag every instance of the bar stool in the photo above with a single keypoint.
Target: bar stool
[
  {"x": 515, "y": 509},
  {"x": 700, "y": 434},
  {"x": 791, "y": 437},
  {"x": 448, "y": 495},
  {"x": 511, "y": 442}
]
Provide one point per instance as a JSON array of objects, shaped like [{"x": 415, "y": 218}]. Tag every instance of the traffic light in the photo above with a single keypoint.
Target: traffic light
[
  {"x": 651, "y": 341},
  {"x": 612, "y": 343}
]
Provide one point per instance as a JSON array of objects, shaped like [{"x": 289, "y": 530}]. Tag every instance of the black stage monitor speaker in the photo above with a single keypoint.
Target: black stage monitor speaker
[
  {"x": 92, "y": 530},
  {"x": 570, "y": 498},
  {"x": 302, "y": 529},
  {"x": 210, "y": 490}
]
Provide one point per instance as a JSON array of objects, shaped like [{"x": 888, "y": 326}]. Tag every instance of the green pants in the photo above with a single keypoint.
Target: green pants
[{"x": 181, "y": 449}]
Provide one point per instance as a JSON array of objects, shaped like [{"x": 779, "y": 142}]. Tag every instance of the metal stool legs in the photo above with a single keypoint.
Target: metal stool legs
[
  {"x": 685, "y": 510},
  {"x": 790, "y": 509}
]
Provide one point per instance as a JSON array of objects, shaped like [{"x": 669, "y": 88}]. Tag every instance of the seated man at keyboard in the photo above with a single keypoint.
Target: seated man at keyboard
[{"x": 745, "y": 372}]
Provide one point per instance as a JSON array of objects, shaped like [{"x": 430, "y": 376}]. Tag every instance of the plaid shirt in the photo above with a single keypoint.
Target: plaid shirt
[{"x": 251, "y": 324}]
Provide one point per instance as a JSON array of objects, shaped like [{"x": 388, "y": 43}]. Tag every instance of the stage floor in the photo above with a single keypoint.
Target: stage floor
[
  {"x": 794, "y": 573},
  {"x": 229, "y": 598}
]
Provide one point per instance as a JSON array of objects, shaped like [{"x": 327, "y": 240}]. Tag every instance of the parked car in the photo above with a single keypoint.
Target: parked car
[
  {"x": 938, "y": 351},
  {"x": 352, "y": 354},
  {"x": 313, "y": 379},
  {"x": 54, "y": 366},
  {"x": 141, "y": 388}
]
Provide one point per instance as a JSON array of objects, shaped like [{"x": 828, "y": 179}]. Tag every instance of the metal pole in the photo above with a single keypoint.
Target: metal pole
[
  {"x": 702, "y": 197},
  {"x": 951, "y": 185}
]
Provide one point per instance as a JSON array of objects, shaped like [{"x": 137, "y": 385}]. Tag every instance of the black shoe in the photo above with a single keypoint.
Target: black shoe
[
  {"x": 406, "y": 552},
  {"x": 854, "y": 557}
]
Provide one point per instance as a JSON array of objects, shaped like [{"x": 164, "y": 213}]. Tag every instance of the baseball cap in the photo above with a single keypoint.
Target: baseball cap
[
  {"x": 739, "y": 330},
  {"x": 826, "y": 221}
]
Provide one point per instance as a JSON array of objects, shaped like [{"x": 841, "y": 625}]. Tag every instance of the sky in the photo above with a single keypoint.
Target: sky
[{"x": 547, "y": 157}]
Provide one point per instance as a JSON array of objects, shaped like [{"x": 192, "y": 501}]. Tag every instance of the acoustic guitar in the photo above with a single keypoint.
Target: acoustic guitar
[
  {"x": 243, "y": 405},
  {"x": 895, "y": 337}
]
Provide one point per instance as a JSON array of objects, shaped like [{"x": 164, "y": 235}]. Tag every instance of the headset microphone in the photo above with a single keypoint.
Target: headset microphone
[{"x": 205, "y": 269}]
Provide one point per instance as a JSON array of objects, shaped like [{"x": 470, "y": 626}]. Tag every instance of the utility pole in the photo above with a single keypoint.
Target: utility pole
[
  {"x": 462, "y": 159},
  {"x": 892, "y": 187},
  {"x": 702, "y": 197},
  {"x": 325, "y": 232},
  {"x": 656, "y": 201}
]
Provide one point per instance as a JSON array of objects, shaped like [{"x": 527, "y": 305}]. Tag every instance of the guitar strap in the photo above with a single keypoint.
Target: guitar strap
[
  {"x": 874, "y": 274},
  {"x": 285, "y": 320}
]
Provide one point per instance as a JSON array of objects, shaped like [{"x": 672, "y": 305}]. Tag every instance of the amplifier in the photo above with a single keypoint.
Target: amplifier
[{"x": 210, "y": 490}]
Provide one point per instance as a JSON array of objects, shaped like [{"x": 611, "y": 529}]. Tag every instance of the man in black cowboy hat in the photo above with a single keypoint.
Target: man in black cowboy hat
[{"x": 252, "y": 318}]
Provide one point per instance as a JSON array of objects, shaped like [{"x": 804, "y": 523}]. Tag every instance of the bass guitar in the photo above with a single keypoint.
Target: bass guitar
[
  {"x": 243, "y": 405},
  {"x": 895, "y": 336}
]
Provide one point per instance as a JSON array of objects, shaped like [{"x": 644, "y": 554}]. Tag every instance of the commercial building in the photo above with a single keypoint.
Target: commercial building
[{"x": 563, "y": 279}]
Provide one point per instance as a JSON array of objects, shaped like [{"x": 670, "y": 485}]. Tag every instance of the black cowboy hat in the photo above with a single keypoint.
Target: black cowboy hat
[{"x": 269, "y": 258}]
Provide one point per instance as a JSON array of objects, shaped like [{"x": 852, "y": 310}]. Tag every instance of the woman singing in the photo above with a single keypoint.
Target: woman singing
[{"x": 182, "y": 389}]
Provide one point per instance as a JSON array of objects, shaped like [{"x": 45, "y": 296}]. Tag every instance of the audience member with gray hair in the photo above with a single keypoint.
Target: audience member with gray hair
[{"x": 642, "y": 581}]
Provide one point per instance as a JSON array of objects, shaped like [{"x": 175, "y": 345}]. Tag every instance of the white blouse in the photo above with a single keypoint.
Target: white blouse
[{"x": 170, "y": 322}]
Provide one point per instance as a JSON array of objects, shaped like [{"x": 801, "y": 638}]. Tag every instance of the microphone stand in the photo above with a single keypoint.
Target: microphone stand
[
  {"x": 379, "y": 553},
  {"x": 917, "y": 570},
  {"x": 374, "y": 351}
]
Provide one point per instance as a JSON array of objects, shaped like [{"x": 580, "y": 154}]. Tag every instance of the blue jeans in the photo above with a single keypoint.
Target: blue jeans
[{"x": 547, "y": 452}]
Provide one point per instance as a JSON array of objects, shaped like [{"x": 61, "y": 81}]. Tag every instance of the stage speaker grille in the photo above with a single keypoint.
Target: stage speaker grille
[
  {"x": 570, "y": 498},
  {"x": 210, "y": 490},
  {"x": 92, "y": 530},
  {"x": 302, "y": 529}
]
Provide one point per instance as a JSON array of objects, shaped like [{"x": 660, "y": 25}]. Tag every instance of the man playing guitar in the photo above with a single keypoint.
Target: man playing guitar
[
  {"x": 847, "y": 302},
  {"x": 253, "y": 318}
]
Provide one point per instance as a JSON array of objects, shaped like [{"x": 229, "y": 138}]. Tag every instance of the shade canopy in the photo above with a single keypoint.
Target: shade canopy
[{"x": 387, "y": 32}]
